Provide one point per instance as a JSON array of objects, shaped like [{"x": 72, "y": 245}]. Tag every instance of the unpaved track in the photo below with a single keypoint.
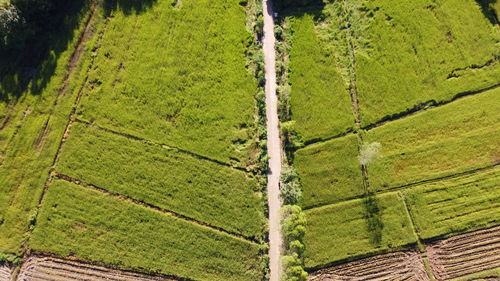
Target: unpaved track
[
  {"x": 465, "y": 254},
  {"x": 5, "y": 273},
  {"x": 40, "y": 268},
  {"x": 273, "y": 144},
  {"x": 394, "y": 266}
]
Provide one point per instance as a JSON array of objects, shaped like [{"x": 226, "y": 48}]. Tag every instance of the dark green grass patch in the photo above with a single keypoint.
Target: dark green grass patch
[
  {"x": 424, "y": 50},
  {"x": 320, "y": 102},
  {"x": 453, "y": 138},
  {"x": 200, "y": 189},
  {"x": 90, "y": 225},
  {"x": 329, "y": 171},
  {"x": 456, "y": 205},
  {"x": 178, "y": 76},
  {"x": 356, "y": 228}
]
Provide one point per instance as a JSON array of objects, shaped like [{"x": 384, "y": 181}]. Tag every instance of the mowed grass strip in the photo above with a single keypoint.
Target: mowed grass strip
[
  {"x": 90, "y": 225},
  {"x": 422, "y": 50},
  {"x": 218, "y": 195},
  {"x": 456, "y": 205},
  {"x": 356, "y": 228},
  {"x": 450, "y": 139},
  {"x": 329, "y": 171},
  {"x": 320, "y": 102},
  {"x": 178, "y": 76}
]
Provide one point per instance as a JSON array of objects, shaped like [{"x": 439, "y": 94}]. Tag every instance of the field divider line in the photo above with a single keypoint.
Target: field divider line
[
  {"x": 156, "y": 208},
  {"x": 422, "y": 107},
  {"x": 165, "y": 146},
  {"x": 404, "y": 187}
]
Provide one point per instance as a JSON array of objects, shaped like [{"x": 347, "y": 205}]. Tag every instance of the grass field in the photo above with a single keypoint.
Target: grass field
[
  {"x": 450, "y": 139},
  {"x": 356, "y": 228},
  {"x": 178, "y": 76},
  {"x": 200, "y": 189},
  {"x": 423, "y": 50},
  {"x": 456, "y": 205},
  {"x": 320, "y": 102},
  {"x": 33, "y": 127},
  {"x": 88, "y": 224},
  {"x": 329, "y": 171}
]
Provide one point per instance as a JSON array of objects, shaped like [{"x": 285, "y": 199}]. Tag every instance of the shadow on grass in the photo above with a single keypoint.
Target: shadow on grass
[
  {"x": 33, "y": 60},
  {"x": 488, "y": 11},
  {"x": 373, "y": 219},
  {"x": 128, "y": 7}
]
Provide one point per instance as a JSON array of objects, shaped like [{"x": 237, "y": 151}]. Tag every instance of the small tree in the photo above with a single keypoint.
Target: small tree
[
  {"x": 290, "y": 189},
  {"x": 9, "y": 18},
  {"x": 369, "y": 152}
]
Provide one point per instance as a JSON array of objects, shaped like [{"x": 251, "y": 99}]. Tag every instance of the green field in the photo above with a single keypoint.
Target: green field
[
  {"x": 356, "y": 228},
  {"x": 329, "y": 171},
  {"x": 177, "y": 76},
  {"x": 320, "y": 102},
  {"x": 97, "y": 227},
  {"x": 206, "y": 191},
  {"x": 456, "y": 205}
]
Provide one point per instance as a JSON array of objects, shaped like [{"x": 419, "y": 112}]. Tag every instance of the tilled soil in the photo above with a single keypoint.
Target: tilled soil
[
  {"x": 465, "y": 254},
  {"x": 393, "y": 266},
  {"x": 5, "y": 273},
  {"x": 40, "y": 268}
]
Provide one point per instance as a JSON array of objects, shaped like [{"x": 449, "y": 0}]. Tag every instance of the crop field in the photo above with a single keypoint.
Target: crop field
[
  {"x": 5, "y": 273},
  {"x": 94, "y": 226},
  {"x": 409, "y": 150},
  {"x": 467, "y": 256},
  {"x": 49, "y": 268},
  {"x": 320, "y": 102},
  {"x": 393, "y": 266},
  {"x": 134, "y": 147},
  {"x": 163, "y": 177},
  {"x": 344, "y": 230}
]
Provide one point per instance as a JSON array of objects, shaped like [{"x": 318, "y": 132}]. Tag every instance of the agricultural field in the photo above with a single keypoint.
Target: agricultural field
[
  {"x": 408, "y": 151},
  {"x": 135, "y": 147}
]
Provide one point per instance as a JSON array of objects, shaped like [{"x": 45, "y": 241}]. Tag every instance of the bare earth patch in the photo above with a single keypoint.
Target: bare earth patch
[
  {"x": 393, "y": 266},
  {"x": 43, "y": 268},
  {"x": 465, "y": 254},
  {"x": 5, "y": 273}
]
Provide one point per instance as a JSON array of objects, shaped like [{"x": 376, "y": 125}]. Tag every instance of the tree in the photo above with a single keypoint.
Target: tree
[{"x": 9, "y": 19}]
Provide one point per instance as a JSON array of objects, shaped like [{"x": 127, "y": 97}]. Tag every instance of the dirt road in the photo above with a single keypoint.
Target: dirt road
[{"x": 273, "y": 144}]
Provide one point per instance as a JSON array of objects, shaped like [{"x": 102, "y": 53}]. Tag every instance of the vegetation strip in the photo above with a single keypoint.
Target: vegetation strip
[
  {"x": 167, "y": 212},
  {"x": 161, "y": 145}
]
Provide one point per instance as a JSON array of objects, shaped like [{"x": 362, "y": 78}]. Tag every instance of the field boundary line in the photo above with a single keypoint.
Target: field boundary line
[
  {"x": 165, "y": 146},
  {"x": 422, "y": 107},
  {"x": 404, "y": 187},
  {"x": 156, "y": 208}
]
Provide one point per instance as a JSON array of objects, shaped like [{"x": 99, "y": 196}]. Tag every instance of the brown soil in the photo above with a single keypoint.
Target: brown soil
[
  {"x": 393, "y": 266},
  {"x": 40, "y": 268},
  {"x": 5, "y": 273},
  {"x": 465, "y": 254}
]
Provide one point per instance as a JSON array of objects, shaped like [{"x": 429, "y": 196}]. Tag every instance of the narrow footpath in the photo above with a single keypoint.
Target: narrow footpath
[{"x": 273, "y": 144}]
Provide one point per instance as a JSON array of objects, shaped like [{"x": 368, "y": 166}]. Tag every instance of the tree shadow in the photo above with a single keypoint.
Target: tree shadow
[
  {"x": 488, "y": 11},
  {"x": 373, "y": 219},
  {"x": 128, "y": 7},
  {"x": 32, "y": 61}
]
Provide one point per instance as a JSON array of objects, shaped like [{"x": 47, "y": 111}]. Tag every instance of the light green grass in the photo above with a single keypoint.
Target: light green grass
[
  {"x": 24, "y": 166},
  {"x": 415, "y": 46},
  {"x": 90, "y": 225},
  {"x": 320, "y": 103},
  {"x": 342, "y": 231},
  {"x": 453, "y": 138},
  {"x": 200, "y": 189},
  {"x": 456, "y": 205},
  {"x": 178, "y": 76},
  {"x": 329, "y": 171}
]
